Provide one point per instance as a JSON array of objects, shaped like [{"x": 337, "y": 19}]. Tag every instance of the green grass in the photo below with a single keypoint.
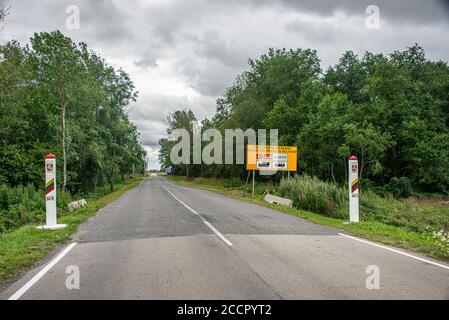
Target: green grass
[
  {"x": 419, "y": 215},
  {"x": 405, "y": 224},
  {"x": 21, "y": 248}
]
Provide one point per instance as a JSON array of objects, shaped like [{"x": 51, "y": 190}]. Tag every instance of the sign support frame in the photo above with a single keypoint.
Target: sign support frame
[{"x": 254, "y": 180}]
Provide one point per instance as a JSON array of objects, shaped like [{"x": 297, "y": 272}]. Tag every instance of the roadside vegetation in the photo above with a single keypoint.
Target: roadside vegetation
[
  {"x": 312, "y": 194},
  {"x": 24, "y": 246},
  {"x": 60, "y": 97},
  {"x": 389, "y": 110},
  {"x": 419, "y": 223},
  {"x": 418, "y": 213}
]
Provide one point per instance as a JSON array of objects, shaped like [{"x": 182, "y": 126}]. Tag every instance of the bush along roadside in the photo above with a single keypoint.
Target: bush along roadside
[
  {"x": 419, "y": 225},
  {"x": 312, "y": 194},
  {"x": 24, "y": 204},
  {"x": 21, "y": 248}
]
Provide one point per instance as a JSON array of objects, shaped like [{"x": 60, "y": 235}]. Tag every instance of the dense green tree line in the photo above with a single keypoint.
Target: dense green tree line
[
  {"x": 60, "y": 97},
  {"x": 392, "y": 111}
]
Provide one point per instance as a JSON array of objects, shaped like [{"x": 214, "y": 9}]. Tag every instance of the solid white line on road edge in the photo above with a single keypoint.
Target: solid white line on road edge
[
  {"x": 217, "y": 233},
  {"x": 41, "y": 273},
  {"x": 396, "y": 251}
]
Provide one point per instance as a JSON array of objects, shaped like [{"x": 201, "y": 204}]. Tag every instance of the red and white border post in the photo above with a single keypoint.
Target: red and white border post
[
  {"x": 354, "y": 186},
  {"x": 50, "y": 194}
]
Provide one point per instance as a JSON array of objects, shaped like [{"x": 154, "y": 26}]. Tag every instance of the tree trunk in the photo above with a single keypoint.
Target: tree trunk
[
  {"x": 112, "y": 177},
  {"x": 113, "y": 172},
  {"x": 332, "y": 172},
  {"x": 362, "y": 164},
  {"x": 64, "y": 158}
]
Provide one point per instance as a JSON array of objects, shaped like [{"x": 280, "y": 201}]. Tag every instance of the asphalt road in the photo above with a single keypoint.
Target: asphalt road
[{"x": 165, "y": 241}]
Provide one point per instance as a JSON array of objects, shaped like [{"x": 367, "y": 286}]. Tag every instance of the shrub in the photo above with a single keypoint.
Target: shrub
[
  {"x": 24, "y": 204},
  {"x": 63, "y": 199},
  {"x": 4, "y": 197},
  {"x": 312, "y": 194},
  {"x": 399, "y": 187}
]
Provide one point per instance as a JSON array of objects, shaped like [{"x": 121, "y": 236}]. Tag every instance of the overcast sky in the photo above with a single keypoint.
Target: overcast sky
[{"x": 185, "y": 53}]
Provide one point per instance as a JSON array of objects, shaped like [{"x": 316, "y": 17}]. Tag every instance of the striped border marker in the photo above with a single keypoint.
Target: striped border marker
[{"x": 354, "y": 188}]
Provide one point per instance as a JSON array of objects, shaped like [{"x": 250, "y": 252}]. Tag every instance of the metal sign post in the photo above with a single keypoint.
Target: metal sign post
[
  {"x": 50, "y": 194},
  {"x": 254, "y": 180},
  {"x": 354, "y": 186}
]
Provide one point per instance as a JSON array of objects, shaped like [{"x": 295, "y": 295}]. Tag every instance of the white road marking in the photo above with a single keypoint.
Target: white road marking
[
  {"x": 396, "y": 251},
  {"x": 214, "y": 230},
  {"x": 41, "y": 273}
]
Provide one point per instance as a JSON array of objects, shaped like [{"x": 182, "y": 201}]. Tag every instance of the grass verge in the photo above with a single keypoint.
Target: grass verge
[
  {"x": 26, "y": 245},
  {"x": 419, "y": 242}
]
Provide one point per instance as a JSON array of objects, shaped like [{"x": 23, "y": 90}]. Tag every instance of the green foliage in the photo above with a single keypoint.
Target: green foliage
[
  {"x": 24, "y": 204},
  {"x": 180, "y": 119},
  {"x": 233, "y": 183},
  {"x": 400, "y": 187},
  {"x": 312, "y": 194},
  {"x": 58, "y": 96},
  {"x": 391, "y": 111},
  {"x": 417, "y": 215}
]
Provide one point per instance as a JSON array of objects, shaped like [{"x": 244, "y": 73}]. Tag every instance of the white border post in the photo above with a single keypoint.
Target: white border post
[
  {"x": 354, "y": 186},
  {"x": 50, "y": 194}
]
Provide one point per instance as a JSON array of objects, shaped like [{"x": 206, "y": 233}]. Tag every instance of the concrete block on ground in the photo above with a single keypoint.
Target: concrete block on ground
[
  {"x": 76, "y": 204},
  {"x": 278, "y": 200}
]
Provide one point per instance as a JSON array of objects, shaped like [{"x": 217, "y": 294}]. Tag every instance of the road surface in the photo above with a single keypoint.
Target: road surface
[{"x": 166, "y": 241}]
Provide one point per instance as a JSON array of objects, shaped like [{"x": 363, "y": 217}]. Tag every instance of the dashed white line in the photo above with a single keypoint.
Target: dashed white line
[
  {"x": 396, "y": 251},
  {"x": 207, "y": 223},
  {"x": 41, "y": 273}
]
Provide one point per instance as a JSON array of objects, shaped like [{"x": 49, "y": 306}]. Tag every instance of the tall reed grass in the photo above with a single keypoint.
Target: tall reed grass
[{"x": 312, "y": 194}]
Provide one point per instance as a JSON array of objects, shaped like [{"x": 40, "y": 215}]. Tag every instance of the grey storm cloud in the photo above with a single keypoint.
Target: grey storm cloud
[
  {"x": 413, "y": 11},
  {"x": 212, "y": 46},
  {"x": 148, "y": 59},
  {"x": 150, "y": 114},
  {"x": 208, "y": 77},
  {"x": 150, "y": 132},
  {"x": 183, "y": 54}
]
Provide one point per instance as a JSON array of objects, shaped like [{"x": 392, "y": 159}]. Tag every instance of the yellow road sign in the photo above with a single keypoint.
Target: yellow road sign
[{"x": 273, "y": 158}]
